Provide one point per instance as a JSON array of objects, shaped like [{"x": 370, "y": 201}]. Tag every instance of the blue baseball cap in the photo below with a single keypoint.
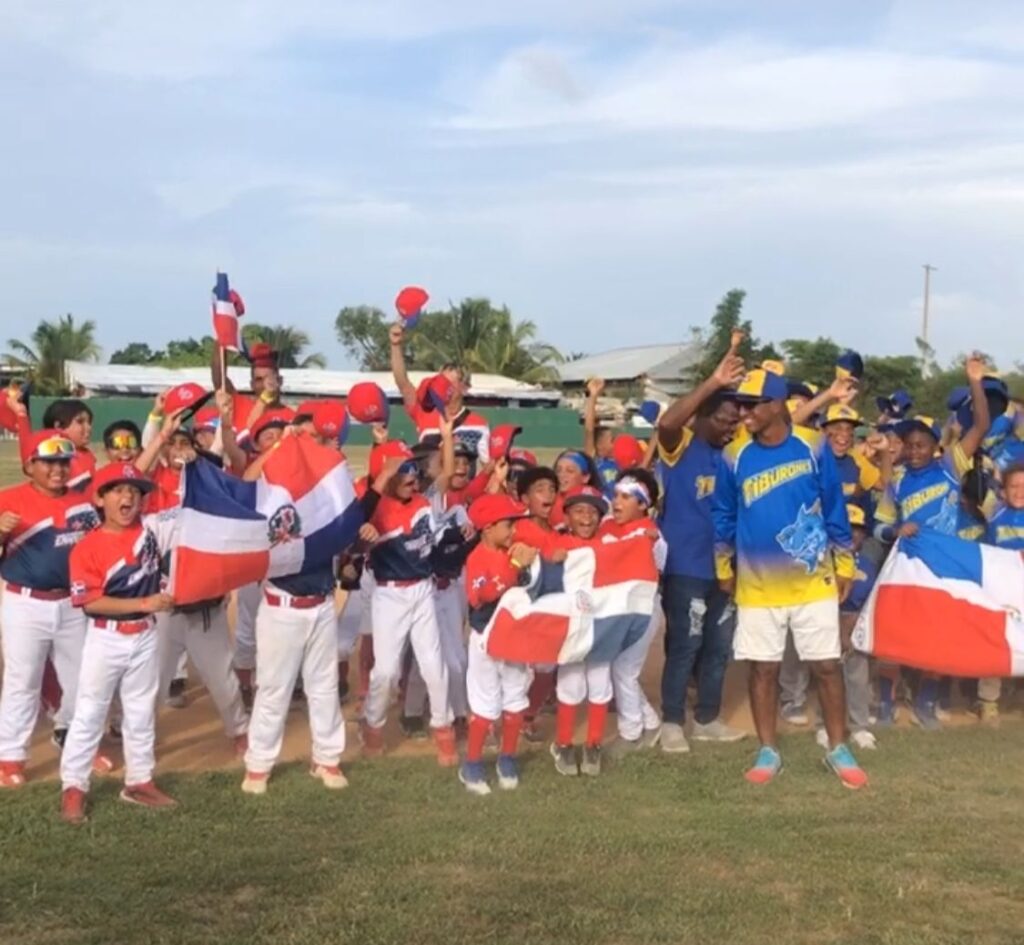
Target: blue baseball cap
[
  {"x": 761, "y": 386},
  {"x": 850, "y": 364},
  {"x": 919, "y": 422}
]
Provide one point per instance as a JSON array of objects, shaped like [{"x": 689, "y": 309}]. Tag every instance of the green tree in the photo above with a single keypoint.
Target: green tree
[
  {"x": 287, "y": 341},
  {"x": 363, "y": 333},
  {"x": 189, "y": 352},
  {"x": 812, "y": 361},
  {"x": 714, "y": 341},
  {"x": 51, "y": 345},
  {"x": 136, "y": 352}
]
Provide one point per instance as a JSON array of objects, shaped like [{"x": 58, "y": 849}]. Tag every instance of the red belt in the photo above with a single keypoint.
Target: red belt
[
  {"x": 411, "y": 583},
  {"x": 127, "y": 627},
  {"x": 36, "y": 594},
  {"x": 296, "y": 603}
]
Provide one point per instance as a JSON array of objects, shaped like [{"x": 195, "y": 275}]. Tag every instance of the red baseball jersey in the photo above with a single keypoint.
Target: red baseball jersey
[
  {"x": 489, "y": 573},
  {"x": 36, "y": 552}
]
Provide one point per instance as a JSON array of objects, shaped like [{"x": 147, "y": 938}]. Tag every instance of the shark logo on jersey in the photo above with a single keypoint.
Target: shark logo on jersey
[
  {"x": 945, "y": 520},
  {"x": 284, "y": 525},
  {"x": 805, "y": 540}
]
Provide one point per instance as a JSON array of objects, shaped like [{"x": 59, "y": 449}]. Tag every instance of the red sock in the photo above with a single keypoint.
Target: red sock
[
  {"x": 597, "y": 715},
  {"x": 540, "y": 691},
  {"x": 565, "y": 722},
  {"x": 478, "y": 729},
  {"x": 511, "y": 726}
]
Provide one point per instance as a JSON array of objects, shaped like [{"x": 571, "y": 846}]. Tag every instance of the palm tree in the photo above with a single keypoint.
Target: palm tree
[
  {"x": 288, "y": 342},
  {"x": 53, "y": 344}
]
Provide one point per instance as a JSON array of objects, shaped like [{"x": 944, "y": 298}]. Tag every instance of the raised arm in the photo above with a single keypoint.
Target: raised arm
[
  {"x": 405, "y": 387},
  {"x": 729, "y": 372},
  {"x": 595, "y": 387},
  {"x": 147, "y": 459},
  {"x": 981, "y": 419},
  {"x": 842, "y": 390},
  {"x": 232, "y": 452},
  {"x": 217, "y": 374}
]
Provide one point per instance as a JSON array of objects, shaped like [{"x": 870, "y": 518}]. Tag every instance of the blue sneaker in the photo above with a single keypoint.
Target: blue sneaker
[
  {"x": 508, "y": 772},
  {"x": 471, "y": 774},
  {"x": 841, "y": 762},
  {"x": 885, "y": 716},
  {"x": 766, "y": 766},
  {"x": 923, "y": 714}
]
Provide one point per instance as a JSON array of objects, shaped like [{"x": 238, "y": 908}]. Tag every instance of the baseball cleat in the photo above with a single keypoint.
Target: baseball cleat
[
  {"x": 146, "y": 794},
  {"x": 565, "y": 760},
  {"x": 372, "y": 739},
  {"x": 72, "y": 806},
  {"x": 331, "y": 775},
  {"x": 102, "y": 764},
  {"x": 508, "y": 772},
  {"x": 447, "y": 752},
  {"x": 12, "y": 774},
  {"x": 255, "y": 782},
  {"x": 176, "y": 694},
  {"x": 412, "y": 726},
  {"x": 591, "y": 761},
  {"x": 471, "y": 774}
]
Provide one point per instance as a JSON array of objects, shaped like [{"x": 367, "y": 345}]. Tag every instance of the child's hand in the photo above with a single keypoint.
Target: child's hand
[
  {"x": 225, "y": 405},
  {"x": 396, "y": 335},
  {"x": 156, "y": 603},
  {"x": 975, "y": 368},
  {"x": 907, "y": 530},
  {"x": 158, "y": 401},
  {"x": 8, "y": 522},
  {"x": 522, "y": 556},
  {"x": 595, "y": 386},
  {"x": 468, "y": 531},
  {"x": 369, "y": 534}
]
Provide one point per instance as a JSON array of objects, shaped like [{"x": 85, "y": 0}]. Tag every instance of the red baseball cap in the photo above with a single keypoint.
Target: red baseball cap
[
  {"x": 491, "y": 509},
  {"x": 278, "y": 417},
  {"x": 518, "y": 457},
  {"x": 50, "y": 444},
  {"x": 588, "y": 495},
  {"x": 627, "y": 451},
  {"x": 393, "y": 449},
  {"x": 501, "y": 439},
  {"x": 307, "y": 408},
  {"x": 435, "y": 393},
  {"x": 330, "y": 420},
  {"x": 119, "y": 474},
  {"x": 262, "y": 355},
  {"x": 409, "y": 304},
  {"x": 367, "y": 403},
  {"x": 182, "y": 396},
  {"x": 206, "y": 419}
]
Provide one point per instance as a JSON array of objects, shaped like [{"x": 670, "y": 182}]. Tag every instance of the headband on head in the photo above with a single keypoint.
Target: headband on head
[
  {"x": 577, "y": 459},
  {"x": 635, "y": 488}
]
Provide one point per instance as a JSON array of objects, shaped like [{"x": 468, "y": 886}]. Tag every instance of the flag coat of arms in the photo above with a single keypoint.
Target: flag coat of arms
[
  {"x": 299, "y": 514},
  {"x": 947, "y": 606},
  {"x": 591, "y": 607}
]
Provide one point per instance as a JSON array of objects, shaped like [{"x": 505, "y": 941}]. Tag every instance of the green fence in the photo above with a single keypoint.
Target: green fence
[{"x": 542, "y": 426}]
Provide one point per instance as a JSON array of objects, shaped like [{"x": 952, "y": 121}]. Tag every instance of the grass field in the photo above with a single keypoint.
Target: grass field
[
  {"x": 668, "y": 850},
  {"x": 660, "y": 849}
]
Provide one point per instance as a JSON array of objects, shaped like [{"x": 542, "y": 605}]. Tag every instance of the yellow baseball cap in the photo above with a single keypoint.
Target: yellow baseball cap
[{"x": 838, "y": 413}]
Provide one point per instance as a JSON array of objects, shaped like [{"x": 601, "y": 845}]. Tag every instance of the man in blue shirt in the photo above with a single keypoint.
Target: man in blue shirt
[{"x": 699, "y": 617}]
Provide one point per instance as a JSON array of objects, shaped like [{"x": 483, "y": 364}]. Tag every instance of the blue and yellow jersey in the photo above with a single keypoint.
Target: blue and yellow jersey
[
  {"x": 1006, "y": 427},
  {"x": 780, "y": 512},
  {"x": 930, "y": 496},
  {"x": 688, "y": 483},
  {"x": 1006, "y": 527},
  {"x": 857, "y": 474}
]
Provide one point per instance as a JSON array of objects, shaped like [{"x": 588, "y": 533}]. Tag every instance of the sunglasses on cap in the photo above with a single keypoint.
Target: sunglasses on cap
[
  {"x": 123, "y": 441},
  {"x": 57, "y": 447}
]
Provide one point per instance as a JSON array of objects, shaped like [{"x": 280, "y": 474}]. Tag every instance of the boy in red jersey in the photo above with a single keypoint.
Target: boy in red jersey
[
  {"x": 115, "y": 579},
  {"x": 71, "y": 418}
]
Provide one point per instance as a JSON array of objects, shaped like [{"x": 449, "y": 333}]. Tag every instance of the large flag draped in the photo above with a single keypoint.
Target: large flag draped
[
  {"x": 299, "y": 514},
  {"x": 947, "y": 606},
  {"x": 593, "y": 606}
]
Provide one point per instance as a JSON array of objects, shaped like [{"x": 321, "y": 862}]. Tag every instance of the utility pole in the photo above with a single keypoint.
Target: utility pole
[{"x": 928, "y": 270}]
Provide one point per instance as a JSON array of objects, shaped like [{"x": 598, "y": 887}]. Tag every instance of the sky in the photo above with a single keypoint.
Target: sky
[{"x": 606, "y": 168}]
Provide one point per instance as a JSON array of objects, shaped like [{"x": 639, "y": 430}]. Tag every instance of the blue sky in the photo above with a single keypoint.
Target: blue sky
[{"x": 607, "y": 168}]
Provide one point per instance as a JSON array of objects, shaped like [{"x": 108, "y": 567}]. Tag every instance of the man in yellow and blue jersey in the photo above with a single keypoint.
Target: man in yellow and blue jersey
[{"x": 783, "y": 546}]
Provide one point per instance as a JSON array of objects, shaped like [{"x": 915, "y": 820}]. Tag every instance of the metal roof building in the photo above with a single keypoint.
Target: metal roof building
[
  {"x": 143, "y": 380},
  {"x": 662, "y": 366}
]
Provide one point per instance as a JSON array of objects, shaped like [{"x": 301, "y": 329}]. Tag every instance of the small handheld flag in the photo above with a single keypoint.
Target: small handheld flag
[
  {"x": 409, "y": 304},
  {"x": 228, "y": 307}
]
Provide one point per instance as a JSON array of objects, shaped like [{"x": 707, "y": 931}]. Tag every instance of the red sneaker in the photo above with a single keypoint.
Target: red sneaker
[
  {"x": 72, "y": 806},
  {"x": 330, "y": 775},
  {"x": 447, "y": 753},
  {"x": 255, "y": 782},
  {"x": 146, "y": 795},
  {"x": 373, "y": 740},
  {"x": 12, "y": 774}
]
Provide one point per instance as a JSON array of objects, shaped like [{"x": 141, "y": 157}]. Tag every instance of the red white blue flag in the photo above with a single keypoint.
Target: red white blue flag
[
  {"x": 947, "y": 606},
  {"x": 591, "y": 607},
  {"x": 300, "y": 513},
  {"x": 228, "y": 307}
]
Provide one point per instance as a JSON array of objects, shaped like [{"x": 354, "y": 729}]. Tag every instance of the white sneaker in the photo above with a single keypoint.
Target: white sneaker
[
  {"x": 255, "y": 783},
  {"x": 716, "y": 731},
  {"x": 673, "y": 739},
  {"x": 651, "y": 737},
  {"x": 821, "y": 737},
  {"x": 794, "y": 714},
  {"x": 864, "y": 739},
  {"x": 332, "y": 776}
]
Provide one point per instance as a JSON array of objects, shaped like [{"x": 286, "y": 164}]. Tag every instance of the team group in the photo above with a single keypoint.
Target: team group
[{"x": 766, "y": 517}]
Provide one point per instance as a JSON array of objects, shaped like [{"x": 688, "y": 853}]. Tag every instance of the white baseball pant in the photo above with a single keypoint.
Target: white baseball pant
[
  {"x": 248, "y": 600},
  {"x": 32, "y": 630},
  {"x": 355, "y": 613},
  {"x": 207, "y": 642},
  {"x": 290, "y": 640},
  {"x": 401, "y": 615},
  {"x": 633, "y": 712},
  {"x": 451, "y": 607},
  {"x": 113, "y": 661},
  {"x": 584, "y": 682},
  {"x": 495, "y": 686}
]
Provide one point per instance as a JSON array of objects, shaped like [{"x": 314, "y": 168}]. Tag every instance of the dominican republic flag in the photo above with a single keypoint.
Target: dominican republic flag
[
  {"x": 228, "y": 307},
  {"x": 300, "y": 513},
  {"x": 593, "y": 606},
  {"x": 947, "y": 606}
]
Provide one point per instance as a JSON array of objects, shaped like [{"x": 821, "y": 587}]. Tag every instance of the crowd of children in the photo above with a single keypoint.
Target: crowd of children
[{"x": 452, "y": 522}]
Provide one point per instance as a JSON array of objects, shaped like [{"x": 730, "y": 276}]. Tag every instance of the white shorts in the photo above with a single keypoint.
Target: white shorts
[{"x": 761, "y": 631}]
